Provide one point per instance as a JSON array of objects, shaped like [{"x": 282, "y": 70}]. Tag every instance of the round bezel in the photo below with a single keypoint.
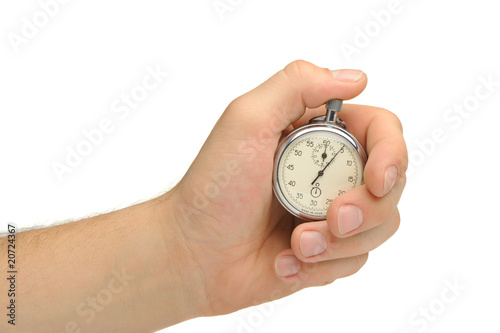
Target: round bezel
[{"x": 290, "y": 139}]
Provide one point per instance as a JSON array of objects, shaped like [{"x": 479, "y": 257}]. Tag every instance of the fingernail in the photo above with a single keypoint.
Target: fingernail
[
  {"x": 287, "y": 266},
  {"x": 391, "y": 174},
  {"x": 350, "y": 218},
  {"x": 312, "y": 243},
  {"x": 347, "y": 75}
]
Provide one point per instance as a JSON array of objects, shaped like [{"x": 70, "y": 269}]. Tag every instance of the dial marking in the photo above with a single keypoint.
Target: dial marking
[
  {"x": 305, "y": 154},
  {"x": 322, "y": 172},
  {"x": 315, "y": 192}
]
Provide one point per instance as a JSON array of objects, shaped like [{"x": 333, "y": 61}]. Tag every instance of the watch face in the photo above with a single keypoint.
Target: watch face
[{"x": 314, "y": 168}]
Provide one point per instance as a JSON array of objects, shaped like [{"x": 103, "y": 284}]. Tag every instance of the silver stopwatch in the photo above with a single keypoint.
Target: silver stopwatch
[{"x": 316, "y": 163}]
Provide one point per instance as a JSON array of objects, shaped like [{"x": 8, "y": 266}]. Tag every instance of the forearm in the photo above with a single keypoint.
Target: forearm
[{"x": 114, "y": 272}]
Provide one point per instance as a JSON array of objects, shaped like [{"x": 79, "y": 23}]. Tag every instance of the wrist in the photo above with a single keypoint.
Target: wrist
[{"x": 177, "y": 283}]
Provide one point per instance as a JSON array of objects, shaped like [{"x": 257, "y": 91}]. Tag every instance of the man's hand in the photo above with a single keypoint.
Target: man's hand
[
  {"x": 246, "y": 248},
  {"x": 219, "y": 241}
]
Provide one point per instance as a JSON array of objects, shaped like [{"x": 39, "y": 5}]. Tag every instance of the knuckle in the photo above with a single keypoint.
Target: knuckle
[
  {"x": 240, "y": 110},
  {"x": 360, "y": 262},
  {"x": 396, "y": 222},
  {"x": 396, "y": 120},
  {"x": 328, "y": 281},
  {"x": 237, "y": 104},
  {"x": 296, "y": 68},
  {"x": 391, "y": 117}
]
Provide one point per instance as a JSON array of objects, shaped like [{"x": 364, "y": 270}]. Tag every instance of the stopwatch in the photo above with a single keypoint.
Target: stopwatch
[{"x": 316, "y": 163}]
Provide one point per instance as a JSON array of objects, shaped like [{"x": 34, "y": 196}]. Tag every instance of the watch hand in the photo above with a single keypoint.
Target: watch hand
[
  {"x": 321, "y": 172},
  {"x": 324, "y": 154}
]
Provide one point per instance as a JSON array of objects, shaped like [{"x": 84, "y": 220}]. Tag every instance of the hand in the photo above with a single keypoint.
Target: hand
[{"x": 241, "y": 246}]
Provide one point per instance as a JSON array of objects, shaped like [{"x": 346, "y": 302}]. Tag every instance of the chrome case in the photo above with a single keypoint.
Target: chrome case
[{"x": 315, "y": 124}]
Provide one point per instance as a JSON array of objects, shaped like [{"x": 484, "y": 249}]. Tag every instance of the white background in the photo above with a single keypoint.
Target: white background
[{"x": 428, "y": 57}]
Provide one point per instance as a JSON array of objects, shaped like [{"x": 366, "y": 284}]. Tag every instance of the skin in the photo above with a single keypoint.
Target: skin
[{"x": 218, "y": 241}]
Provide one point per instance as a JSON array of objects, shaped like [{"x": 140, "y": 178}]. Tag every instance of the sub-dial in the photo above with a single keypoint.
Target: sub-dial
[{"x": 322, "y": 153}]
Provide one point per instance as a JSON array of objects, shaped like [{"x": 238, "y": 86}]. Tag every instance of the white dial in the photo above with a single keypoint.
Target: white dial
[{"x": 315, "y": 168}]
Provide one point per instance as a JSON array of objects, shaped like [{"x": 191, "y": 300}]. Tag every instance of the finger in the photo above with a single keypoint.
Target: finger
[
  {"x": 381, "y": 133},
  {"x": 282, "y": 99},
  {"x": 291, "y": 270},
  {"x": 359, "y": 210},
  {"x": 313, "y": 241}
]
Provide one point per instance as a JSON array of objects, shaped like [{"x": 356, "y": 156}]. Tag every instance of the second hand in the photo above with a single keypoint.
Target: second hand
[{"x": 322, "y": 172}]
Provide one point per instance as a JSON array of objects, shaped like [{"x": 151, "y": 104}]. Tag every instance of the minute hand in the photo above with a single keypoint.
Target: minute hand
[{"x": 321, "y": 172}]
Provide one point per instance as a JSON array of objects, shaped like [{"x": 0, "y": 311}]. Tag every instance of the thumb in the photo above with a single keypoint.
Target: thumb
[{"x": 283, "y": 98}]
